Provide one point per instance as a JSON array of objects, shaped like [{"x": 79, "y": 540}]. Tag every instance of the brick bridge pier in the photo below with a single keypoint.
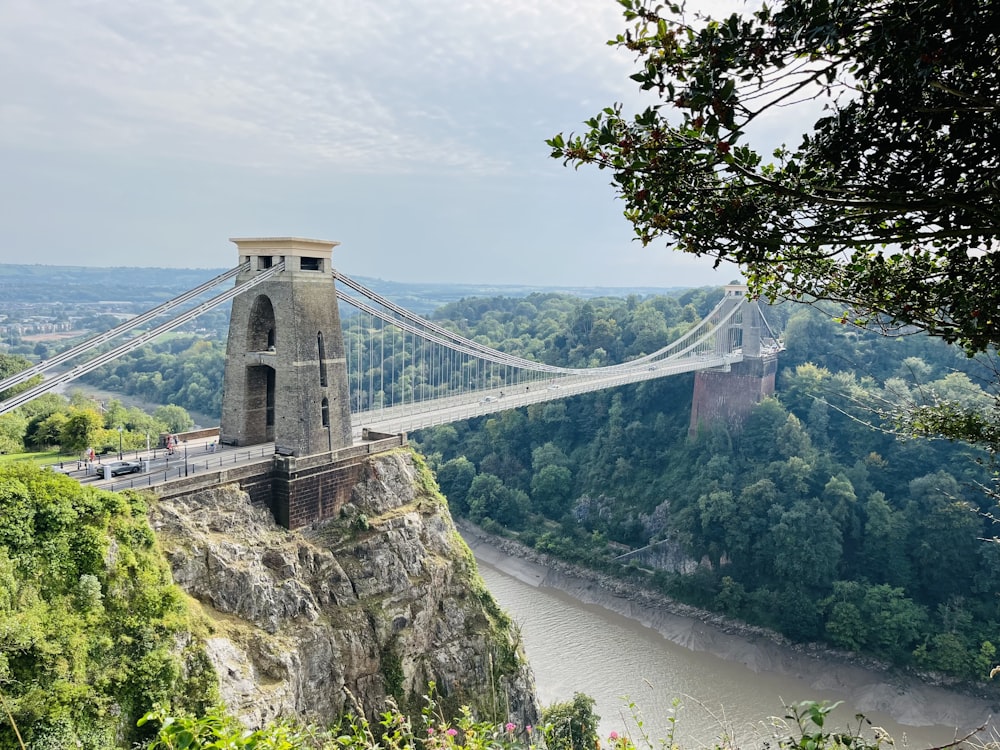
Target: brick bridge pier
[{"x": 729, "y": 395}]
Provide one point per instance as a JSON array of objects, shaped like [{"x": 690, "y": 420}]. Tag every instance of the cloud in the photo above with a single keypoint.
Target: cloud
[
  {"x": 358, "y": 86},
  {"x": 145, "y": 131}
]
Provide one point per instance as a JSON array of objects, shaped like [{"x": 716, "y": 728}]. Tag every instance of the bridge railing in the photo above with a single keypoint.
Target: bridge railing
[
  {"x": 195, "y": 464},
  {"x": 199, "y": 464}
]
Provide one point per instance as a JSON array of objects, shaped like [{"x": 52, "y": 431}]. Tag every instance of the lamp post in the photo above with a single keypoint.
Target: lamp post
[
  {"x": 120, "y": 442},
  {"x": 185, "y": 458}
]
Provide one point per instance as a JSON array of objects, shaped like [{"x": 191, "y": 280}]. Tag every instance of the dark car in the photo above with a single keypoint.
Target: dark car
[{"x": 115, "y": 468}]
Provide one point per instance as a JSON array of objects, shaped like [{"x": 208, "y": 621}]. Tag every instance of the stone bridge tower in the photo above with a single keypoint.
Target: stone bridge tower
[
  {"x": 729, "y": 395},
  {"x": 286, "y": 372}
]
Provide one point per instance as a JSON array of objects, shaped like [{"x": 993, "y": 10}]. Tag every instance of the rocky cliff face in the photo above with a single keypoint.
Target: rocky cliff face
[{"x": 320, "y": 621}]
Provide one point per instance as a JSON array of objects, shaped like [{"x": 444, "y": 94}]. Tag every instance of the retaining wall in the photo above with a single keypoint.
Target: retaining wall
[{"x": 299, "y": 490}]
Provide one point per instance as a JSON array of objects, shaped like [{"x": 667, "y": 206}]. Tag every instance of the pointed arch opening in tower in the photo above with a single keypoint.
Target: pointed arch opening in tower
[
  {"x": 261, "y": 380},
  {"x": 260, "y": 330}
]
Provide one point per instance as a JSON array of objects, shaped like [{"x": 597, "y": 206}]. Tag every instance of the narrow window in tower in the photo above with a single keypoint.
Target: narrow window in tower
[
  {"x": 311, "y": 264},
  {"x": 326, "y": 413},
  {"x": 264, "y": 262},
  {"x": 270, "y": 339},
  {"x": 270, "y": 398},
  {"x": 322, "y": 358}
]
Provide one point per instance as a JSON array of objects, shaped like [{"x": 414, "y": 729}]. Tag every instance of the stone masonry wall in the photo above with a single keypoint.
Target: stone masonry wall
[
  {"x": 299, "y": 498},
  {"x": 297, "y": 490},
  {"x": 730, "y": 396}
]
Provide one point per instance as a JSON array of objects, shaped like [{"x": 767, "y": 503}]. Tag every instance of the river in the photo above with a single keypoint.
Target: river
[{"x": 574, "y": 646}]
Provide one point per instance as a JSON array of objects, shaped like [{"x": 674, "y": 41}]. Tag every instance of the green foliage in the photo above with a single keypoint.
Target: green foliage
[
  {"x": 12, "y": 427},
  {"x": 80, "y": 429},
  {"x": 489, "y": 497},
  {"x": 46, "y": 431},
  {"x": 216, "y": 730},
  {"x": 889, "y": 199},
  {"x": 10, "y": 365},
  {"x": 571, "y": 725},
  {"x": 50, "y": 421},
  {"x": 805, "y": 727},
  {"x": 184, "y": 370},
  {"x": 394, "y": 730},
  {"x": 174, "y": 418},
  {"x": 814, "y": 523},
  {"x": 89, "y": 620},
  {"x": 551, "y": 489},
  {"x": 391, "y": 666},
  {"x": 879, "y": 619},
  {"x": 807, "y": 723},
  {"x": 455, "y": 478},
  {"x": 886, "y": 207}
]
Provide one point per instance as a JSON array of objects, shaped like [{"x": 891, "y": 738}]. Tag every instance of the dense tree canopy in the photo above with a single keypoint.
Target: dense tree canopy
[
  {"x": 11, "y": 364},
  {"x": 813, "y": 522},
  {"x": 888, "y": 205}
]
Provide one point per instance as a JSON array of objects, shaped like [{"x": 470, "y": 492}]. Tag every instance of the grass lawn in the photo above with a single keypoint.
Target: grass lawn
[{"x": 42, "y": 458}]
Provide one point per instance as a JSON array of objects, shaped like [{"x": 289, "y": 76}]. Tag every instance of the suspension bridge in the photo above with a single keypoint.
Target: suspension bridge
[{"x": 316, "y": 362}]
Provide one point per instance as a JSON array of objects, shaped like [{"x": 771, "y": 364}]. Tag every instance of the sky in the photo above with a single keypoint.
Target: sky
[{"x": 147, "y": 133}]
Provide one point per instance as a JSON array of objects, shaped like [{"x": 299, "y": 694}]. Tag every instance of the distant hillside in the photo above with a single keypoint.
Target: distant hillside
[{"x": 78, "y": 284}]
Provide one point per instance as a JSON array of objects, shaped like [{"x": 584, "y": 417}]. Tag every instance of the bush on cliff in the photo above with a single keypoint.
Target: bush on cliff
[{"x": 92, "y": 632}]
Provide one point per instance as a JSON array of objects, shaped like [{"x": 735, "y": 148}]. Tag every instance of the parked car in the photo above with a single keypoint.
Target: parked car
[{"x": 114, "y": 468}]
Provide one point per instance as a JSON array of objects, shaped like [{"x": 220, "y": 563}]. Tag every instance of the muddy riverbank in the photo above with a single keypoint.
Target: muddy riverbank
[{"x": 867, "y": 684}]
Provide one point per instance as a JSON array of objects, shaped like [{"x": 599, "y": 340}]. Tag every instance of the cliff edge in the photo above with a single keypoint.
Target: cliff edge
[{"x": 337, "y": 617}]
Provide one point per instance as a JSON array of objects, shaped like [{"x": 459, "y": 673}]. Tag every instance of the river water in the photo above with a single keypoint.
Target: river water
[{"x": 578, "y": 647}]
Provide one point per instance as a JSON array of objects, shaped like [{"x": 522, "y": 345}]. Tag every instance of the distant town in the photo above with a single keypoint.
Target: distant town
[{"x": 46, "y": 305}]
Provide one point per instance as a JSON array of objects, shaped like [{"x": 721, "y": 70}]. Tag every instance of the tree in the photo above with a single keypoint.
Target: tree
[
  {"x": 807, "y": 545},
  {"x": 454, "y": 478},
  {"x": 571, "y": 725},
  {"x": 489, "y": 498},
  {"x": 877, "y": 618},
  {"x": 888, "y": 205},
  {"x": 115, "y": 414},
  {"x": 47, "y": 431},
  {"x": 884, "y": 546},
  {"x": 551, "y": 489},
  {"x": 717, "y": 513},
  {"x": 11, "y": 364},
  {"x": 174, "y": 417},
  {"x": 136, "y": 420},
  {"x": 12, "y": 427},
  {"x": 83, "y": 629},
  {"x": 80, "y": 429}
]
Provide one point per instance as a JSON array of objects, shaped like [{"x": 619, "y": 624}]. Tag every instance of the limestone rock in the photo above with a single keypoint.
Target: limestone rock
[{"x": 379, "y": 602}]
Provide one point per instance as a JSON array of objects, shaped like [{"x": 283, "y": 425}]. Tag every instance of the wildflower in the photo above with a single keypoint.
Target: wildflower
[
  {"x": 510, "y": 726},
  {"x": 430, "y": 730},
  {"x": 451, "y": 731},
  {"x": 528, "y": 728},
  {"x": 613, "y": 736}
]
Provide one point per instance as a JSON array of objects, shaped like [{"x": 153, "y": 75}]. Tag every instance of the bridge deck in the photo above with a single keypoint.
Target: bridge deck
[{"x": 438, "y": 411}]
